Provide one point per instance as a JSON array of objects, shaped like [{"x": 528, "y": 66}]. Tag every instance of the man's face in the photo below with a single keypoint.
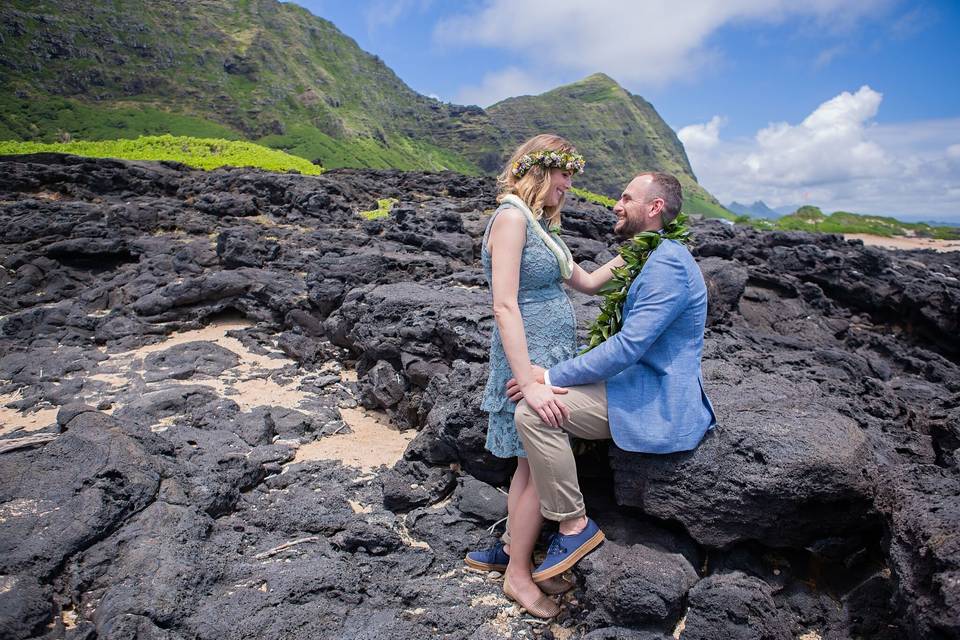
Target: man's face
[{"x": 635, "y": 210}]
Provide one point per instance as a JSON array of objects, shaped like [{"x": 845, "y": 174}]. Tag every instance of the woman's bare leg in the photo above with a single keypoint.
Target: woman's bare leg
[
  {"x": 521, "y": 478},
  {"x": 525, "y": 522}
]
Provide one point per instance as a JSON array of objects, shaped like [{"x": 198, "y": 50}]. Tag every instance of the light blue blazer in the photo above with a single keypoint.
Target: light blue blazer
[{"x": 655, "y": 397}]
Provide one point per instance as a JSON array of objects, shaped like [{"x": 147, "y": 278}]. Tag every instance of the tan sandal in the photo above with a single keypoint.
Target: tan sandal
[
  {"x": 556, "y": 586},
  {"x": 544, "y": 607}
]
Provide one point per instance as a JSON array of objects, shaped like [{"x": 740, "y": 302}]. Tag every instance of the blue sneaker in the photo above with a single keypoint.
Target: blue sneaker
[
  {"x": 495, "y": 559},
  {"x": 566, "y": 551}
]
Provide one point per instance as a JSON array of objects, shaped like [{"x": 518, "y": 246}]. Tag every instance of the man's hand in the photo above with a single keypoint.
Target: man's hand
[
  {"x": 541, "y": 399},
  {"x": 513, "y": 389},
  {"x": 515, "y": 392}
]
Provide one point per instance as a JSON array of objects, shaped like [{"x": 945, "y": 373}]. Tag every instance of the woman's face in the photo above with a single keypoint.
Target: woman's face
[{"x": 560, "y": 181}]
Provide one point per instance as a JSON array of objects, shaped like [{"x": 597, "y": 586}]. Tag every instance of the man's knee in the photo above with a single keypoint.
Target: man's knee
[{"x": 524, "y": 417}]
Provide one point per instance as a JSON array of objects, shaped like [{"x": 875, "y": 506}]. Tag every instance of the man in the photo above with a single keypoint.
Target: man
[{"x": 642, "y": 387}]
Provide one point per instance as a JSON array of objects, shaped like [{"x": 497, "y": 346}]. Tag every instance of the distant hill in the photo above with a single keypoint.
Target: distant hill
[
  {"x": 810, "y": 218},
  {"x": 786, "y": 209},
  {"x": 758, "y": 209},
  {"x": 275, "y": 74}
]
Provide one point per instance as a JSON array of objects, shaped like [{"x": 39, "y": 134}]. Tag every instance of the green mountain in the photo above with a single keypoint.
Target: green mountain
[
  {"x": 616, "y": 131},
  {"x": 810, "y": 218},
  {"x": 261, "y": 70},
  {"x": 275, "y": 74}
]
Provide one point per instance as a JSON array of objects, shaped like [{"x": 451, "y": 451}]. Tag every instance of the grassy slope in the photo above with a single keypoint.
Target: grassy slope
[
  {"x": 258, "y": 70},
  {"x": 203, "y": 153},
  {"x": 809, "y": 218},
  {"x": 692, "y": 205},
  {"x": 275, "y": 74},
  {"x": 619, "y": 134}
]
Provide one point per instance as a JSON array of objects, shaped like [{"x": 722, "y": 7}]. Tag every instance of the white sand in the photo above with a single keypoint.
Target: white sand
[
  {"x": 372, "y": 443},
  {"x": 904, "y": 242},
  {"x": 13, "y": 420}
]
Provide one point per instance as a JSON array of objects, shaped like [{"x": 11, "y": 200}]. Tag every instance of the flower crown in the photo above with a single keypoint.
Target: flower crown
[{"x": 549, "y": 160}]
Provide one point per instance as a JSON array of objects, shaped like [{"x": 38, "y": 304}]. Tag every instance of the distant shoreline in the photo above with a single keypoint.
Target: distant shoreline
[{"x": 904, "y": 242}]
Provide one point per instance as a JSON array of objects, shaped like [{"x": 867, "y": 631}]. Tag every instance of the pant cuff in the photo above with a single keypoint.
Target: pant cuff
[{"x": 556, "y": 516}]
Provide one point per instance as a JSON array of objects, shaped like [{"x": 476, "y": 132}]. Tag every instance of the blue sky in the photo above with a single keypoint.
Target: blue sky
[{"x": 849, "y": 104}]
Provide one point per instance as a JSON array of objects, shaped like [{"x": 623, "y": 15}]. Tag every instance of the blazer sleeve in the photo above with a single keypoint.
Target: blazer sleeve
[{"x": 662, "y": 292}]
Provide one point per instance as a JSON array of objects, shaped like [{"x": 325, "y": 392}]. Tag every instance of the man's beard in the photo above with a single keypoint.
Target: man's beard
[{"x": 626, "y": 228}]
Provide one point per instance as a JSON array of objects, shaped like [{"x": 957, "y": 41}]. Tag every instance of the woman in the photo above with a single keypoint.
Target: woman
[{"x": 525, "y": 264}]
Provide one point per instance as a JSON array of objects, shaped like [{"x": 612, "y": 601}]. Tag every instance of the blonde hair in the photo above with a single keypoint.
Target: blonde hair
[{"x": 533, "y": 187}]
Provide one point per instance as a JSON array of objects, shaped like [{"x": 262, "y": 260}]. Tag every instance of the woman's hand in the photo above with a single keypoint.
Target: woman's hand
[{"x": 542, "y": 400}]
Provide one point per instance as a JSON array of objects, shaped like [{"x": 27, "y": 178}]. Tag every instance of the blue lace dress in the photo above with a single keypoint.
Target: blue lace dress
[{"x": 550, "y": 327}]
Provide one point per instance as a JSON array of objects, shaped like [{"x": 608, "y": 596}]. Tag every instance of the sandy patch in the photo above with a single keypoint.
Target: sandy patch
[
  {"x": 904, "y": 242},
  {"x": 13, "y": 420},
  {"x": 250, "y": 388},
  {"x": 260, "y": 391},
  {"x": 215, "y": 332},
  {"x": 373, "y": 442},
  {"x": 489, "y": 600},
  {"x": 359, "y": 507}
]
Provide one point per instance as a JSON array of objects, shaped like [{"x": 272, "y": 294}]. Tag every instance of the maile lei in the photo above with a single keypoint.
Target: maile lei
[{"x": 635, "y": 253}]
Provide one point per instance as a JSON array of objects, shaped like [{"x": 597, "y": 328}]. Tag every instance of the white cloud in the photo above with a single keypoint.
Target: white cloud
[
  {"x": 702, "y": 136},
  {"x": 502, "y": 84},
  {"x": 837, "y": 158},
  {"x": 638, "y": 43},
  {"x": 385, "y": 14},
  {"x": 825, "y": 57}
]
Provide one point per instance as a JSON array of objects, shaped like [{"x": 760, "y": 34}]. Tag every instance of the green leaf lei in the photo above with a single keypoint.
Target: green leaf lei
[{"x": 635, "y": 253}]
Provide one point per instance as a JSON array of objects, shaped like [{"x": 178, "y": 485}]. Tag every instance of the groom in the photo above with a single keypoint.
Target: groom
[{"x": 642, "y": 387}]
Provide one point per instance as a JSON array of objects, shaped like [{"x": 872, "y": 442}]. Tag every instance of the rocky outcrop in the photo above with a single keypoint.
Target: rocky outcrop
[{"x": 152, "y": 500}]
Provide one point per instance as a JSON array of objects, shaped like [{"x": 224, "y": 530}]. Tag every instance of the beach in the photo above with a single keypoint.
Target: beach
[{"x": 904, "y": 242}]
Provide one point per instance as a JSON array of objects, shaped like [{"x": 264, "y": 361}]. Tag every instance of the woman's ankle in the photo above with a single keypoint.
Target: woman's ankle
[{"x": 518, "y": 573}]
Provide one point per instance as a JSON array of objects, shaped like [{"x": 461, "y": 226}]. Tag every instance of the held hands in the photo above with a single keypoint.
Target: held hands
[{"x": 541, "y": 398}]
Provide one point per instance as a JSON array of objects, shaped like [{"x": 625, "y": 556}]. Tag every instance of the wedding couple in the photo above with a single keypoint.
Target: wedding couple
[{"x": 641, "y": 386}]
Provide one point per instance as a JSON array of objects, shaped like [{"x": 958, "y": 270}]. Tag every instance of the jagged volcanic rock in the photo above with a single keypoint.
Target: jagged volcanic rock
[{"x": 150, "y": 498}]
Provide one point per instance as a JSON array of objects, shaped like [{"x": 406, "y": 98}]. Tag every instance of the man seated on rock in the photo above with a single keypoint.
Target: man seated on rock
[{"x": 642, "y": 386}]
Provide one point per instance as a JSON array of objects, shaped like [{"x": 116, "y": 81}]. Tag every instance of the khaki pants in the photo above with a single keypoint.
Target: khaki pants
[{"x": 552, "y": 466}]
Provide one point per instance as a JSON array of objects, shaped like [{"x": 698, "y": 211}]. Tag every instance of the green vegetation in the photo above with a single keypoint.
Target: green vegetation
[
  {"x": 384, "y": 206},
  {"x": 635, "y": 253},
  {"x": 54, "y": 119},
  {"x": 274, "y": 74},
  {"x": 402, "y": 153},
  {"x": 202, "y": 153},
  {"x": 618, "y": 133},
  {"x": 595, "y": 198},
  {"x": 695, "y": 203},
  {"x": 809, "y": 218}
]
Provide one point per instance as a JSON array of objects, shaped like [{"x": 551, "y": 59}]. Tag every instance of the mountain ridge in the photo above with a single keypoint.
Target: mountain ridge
[{"x": 275, "y": 74}]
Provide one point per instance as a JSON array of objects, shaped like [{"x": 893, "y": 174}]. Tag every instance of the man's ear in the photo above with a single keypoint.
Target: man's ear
[{"x": 657, "y": 207}]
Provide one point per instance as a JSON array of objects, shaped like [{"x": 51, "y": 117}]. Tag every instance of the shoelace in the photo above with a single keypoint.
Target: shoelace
[{"x": 556, "y": 545}]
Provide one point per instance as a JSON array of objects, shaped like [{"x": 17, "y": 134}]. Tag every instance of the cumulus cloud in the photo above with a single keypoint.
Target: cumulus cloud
[
  {"x": 839, "y": 158},
  {"x": 639, "y": 43},
  {"x": 702, "y": 136},
  {"x": 385, "y": 14}
]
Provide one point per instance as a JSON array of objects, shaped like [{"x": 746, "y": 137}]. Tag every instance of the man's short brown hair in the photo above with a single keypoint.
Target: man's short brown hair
[{"x": 667, "y": 188}]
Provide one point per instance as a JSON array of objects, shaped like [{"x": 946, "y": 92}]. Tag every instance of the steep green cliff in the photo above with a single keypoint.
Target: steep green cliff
[
  {"x": 619, "y": 133},
  {"x": 275, "y": 74}
]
